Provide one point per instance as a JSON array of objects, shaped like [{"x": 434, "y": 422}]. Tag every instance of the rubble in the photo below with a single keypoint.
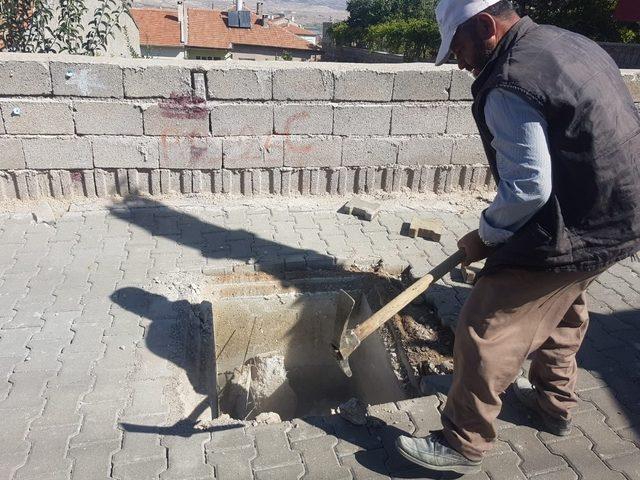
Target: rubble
[{"x": 353, "y": 411}]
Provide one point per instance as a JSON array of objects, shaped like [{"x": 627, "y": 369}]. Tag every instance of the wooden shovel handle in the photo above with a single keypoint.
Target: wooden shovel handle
[{"x": 375, "y": 321}]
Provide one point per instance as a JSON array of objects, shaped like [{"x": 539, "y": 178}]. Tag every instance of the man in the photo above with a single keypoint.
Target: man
[{"x": 562, "y": 137}]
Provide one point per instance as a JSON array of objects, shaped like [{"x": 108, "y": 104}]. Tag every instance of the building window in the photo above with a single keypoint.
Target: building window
[{"x": 200, "y": 57}]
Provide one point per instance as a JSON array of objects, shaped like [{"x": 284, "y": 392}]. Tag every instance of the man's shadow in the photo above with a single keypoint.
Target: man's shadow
[{"x": 215, "y": 241}]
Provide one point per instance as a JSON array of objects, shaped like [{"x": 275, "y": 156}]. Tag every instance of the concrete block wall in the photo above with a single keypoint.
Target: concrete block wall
[{"x": 104, "y": 127}]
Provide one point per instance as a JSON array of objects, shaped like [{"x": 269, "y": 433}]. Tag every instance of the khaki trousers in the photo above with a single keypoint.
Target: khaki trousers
[{"x": 510, "y": 315}]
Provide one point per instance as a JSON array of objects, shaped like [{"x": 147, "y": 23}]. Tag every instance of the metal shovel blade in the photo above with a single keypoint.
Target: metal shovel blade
[{"x": 345, "y": 305}]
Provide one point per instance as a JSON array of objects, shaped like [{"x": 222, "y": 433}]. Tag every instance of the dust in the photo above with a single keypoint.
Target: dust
[{"x": 260, "y": 386}]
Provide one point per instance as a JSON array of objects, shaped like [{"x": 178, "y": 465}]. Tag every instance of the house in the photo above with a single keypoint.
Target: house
[{"x": 207, "y": 34}]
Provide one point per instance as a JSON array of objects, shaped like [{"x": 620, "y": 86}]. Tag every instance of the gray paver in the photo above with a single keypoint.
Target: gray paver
[
  {"x": 320, "y": 460},
  {"x": 627, "y": 464},
  {"x": 606, "y": 443},
  {"x": 272, "y": 446},
  {"x": 578, "y": 453},
  {"x": 47, "y": 454},
  {"x": 232, "y": 464},
  {"x": 92, "y": 460},
  {"x": 101, "y": 394},
  {"x": 536, "y": 457}
]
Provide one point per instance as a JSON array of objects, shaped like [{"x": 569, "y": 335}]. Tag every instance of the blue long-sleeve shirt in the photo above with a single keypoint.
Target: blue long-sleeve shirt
[{"x": 523, "y": 163}]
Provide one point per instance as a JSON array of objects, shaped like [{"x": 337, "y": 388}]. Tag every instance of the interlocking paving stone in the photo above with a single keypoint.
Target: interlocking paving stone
[
  {"x": 536, "y": 457},
  {"x": 393, "y": 424},
  {"x": 367, "y": 465},
  {"x": 143, "y": 469},
  {"x": 564, "y": 474},
  {"x": 10, "y": 462},
  {"x": 627, "y": 464},
  {"x": 107, "y": 373},
  {"x": 352, "y": 438},
  {"x": 503, "y": 467},
  {"x": 99, "y": 423},
  {"x": 606, "y": 443},
  {"x": 61, "y": 407},
  {"x": 290, "y": 472},
  {"x": 138, "y": 446},
  {"x": 424, "y": 414},
  {"x": 232, "y": 464},
  {"x": 272, "y": 446},
  {"x": 48, "y": 453},
  {"x": 185, "y": 458},
  {"x": 320, "y": 460},
  {"x": 586, "y": 463},
  {"x": 307, "y": 428},
  {"x": 617, "y": 415},
  {"x": 27, "y": 390},
  {"x": 92, "y": 460}
]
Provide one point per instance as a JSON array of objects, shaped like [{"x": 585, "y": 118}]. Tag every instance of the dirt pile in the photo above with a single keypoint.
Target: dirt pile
[{"x": 260, "y": 385}]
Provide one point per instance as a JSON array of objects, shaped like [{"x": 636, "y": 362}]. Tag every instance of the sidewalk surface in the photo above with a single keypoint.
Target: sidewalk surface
[{"x": 84, "y": 394}]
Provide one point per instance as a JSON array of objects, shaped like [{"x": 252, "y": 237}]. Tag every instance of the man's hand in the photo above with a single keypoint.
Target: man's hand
[{"x": 473, "y": 247}]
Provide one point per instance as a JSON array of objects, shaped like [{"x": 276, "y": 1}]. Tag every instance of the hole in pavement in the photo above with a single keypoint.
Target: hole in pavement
[
  {"x": 273, "y": 354},
  {"x": 272, "y": 345}
]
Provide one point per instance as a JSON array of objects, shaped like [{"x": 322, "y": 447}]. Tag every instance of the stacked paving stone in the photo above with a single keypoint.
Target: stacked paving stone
[{"x": 86, "y": 391}]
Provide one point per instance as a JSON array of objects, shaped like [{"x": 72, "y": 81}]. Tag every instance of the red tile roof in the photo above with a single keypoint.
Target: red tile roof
[
  {"x": 208, "y": 29},
  {"x": 159, "y": 28},
  {"x": 298, "y": 30},
  {"x": 628, "y": 11}
]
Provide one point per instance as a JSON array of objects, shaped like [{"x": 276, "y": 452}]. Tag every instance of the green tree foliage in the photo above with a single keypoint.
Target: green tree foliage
[
  {"x": 415, "y": 38},
  {"x": 592, "y": 18},
  {"x": 409, "y": 27},
  {"x": 42, "y": 26}
]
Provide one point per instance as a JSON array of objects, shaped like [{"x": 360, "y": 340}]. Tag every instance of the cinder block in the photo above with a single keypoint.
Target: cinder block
[
  {"x": 19, "y": 77},
  {"x": 176, "y": 119},
  {"x": 369, "y": 151},
  {"x": 86, "y": 79},
  {"x": 426, "y": 85},
  {"x": 303, "y": 84},
  {"x": 417, "y": 120},
  {"x": 363, "y": 86},
  {"x": 303, "y": 119},
  {"x": 362, "y": 120},
  {"x": 321, "y": 151},
  {"x": 11, "y": 154},
  {"x": 361, "y": 209},
  {"x": 468, "y": 151},
  {"x": 125, "y": 152},
  {"x": 460, "y": 120},
  {"x": 253, "y": 152},
  {"x": 461, "y": 82},
  {"x": 165, "y": 81},
  {"x": 108, "y": 118},
  {"x": 242, "y": 119},
  {"x": 57, "y": 153},
  {"x": 46, "y": 118},
  {"x": 425, "y": 151},
  {"x": 427, "y": 228},
  {"x": 191, "y": 153},
  {"x": 239, "y": 84}
]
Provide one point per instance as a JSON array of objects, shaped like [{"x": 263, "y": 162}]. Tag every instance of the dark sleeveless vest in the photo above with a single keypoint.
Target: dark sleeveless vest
[{"x": 593, "y": 216}]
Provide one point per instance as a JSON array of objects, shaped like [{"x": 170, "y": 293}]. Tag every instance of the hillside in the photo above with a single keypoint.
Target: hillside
[{"x": 309, "y": 13}]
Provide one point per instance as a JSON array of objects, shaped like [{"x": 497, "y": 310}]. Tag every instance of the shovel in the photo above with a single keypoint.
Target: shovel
[{"x": 346, "y": 341}]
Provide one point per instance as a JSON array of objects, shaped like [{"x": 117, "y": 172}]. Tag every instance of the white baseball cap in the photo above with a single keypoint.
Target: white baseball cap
[{"x": 450, "y": 15}]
